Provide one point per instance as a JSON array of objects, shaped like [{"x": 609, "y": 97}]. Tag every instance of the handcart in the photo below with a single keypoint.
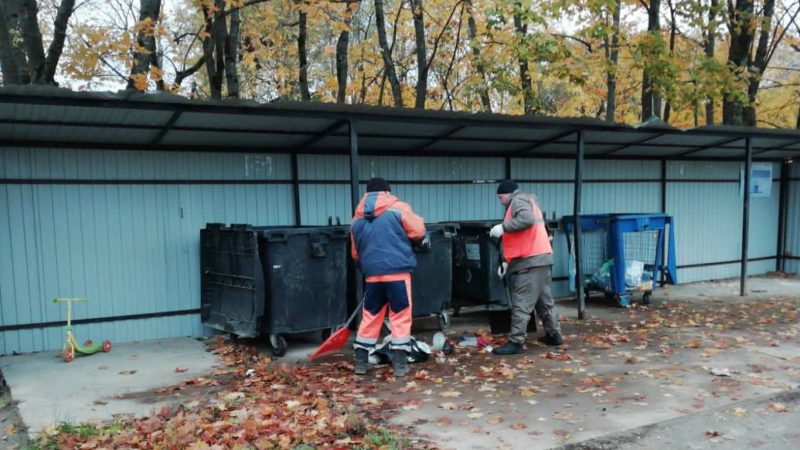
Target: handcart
[{"x": 621, "y": 254}]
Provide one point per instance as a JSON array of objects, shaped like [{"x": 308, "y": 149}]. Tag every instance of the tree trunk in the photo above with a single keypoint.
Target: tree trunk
[
  {"x": 59, "y": 36},
  {"x": 232, "y": 55},
  {"x": 302, "y": 53},
  {"x": 651, "y": 103},
  {"x": 31, "y": 38},
  {"x": 797, "y": 124},
  {"x": 341, "y": 55},
  {"x": 422, "y": 58},
  {"x": 145, "y": 43},
  {"x": 12, "y": 59},
  {"x": 524, "y": 74},
  {"x": 209, "y": 42},
  {"x": 760, "y": 63},
  {"x": 611, "y": 82},
  {"x": 472, "y": 27},
  {"x": 386, "y": 54},
  {"x": 673, "y": 30},
  {"x": 710, "y": 47},
  {"x": 742, "y": 36}
]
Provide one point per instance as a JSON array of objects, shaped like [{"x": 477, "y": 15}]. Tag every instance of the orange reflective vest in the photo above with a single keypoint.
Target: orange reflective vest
[{"x": 528, "y": 242}]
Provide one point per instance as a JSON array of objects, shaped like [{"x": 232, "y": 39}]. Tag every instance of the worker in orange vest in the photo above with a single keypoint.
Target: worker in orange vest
[
  {"x": 527, "y": 256},
  {"x": 382, "y": 232}
]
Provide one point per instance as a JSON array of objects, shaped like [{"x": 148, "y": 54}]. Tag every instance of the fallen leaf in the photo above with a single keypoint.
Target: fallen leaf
[
  {"x": 475, "y": 415},
  {"x": 495, "y": 420},
  {"x": 100, "y": 402},
  {"x": 444, "y": 421},
  {"x": 565, "y": 415},
  {"x": 450, "y": 394},
  {"x": 448, "y": 406},
  {"x": 739, "y": 412},
  {"x": 127, "y": 372},
  {"x": 518, "y": 426},
  {"x": 713, "y": 433},
  {"x": 292, "y": 403},
  {"x": 233, "y": 396},
  {"x": 562, "y": 433},
  {"x": 180, "y": 370},
  {"x": 694, "y": 343},
  {"x": 778, "y": 407},
  {"x": 102, "y": 367}
]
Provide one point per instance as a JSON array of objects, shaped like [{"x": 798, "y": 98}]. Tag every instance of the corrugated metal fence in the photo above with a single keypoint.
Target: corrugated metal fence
[
  {"x": 122, "y": 228},
  {"x": 793, "y": 221}
]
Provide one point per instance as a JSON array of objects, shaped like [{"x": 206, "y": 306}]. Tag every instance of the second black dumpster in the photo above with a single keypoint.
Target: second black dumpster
[{"x": 431, "y": 282}]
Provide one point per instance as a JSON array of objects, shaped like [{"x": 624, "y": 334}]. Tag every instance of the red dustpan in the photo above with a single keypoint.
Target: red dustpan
[{"x": 335, "y": 343}]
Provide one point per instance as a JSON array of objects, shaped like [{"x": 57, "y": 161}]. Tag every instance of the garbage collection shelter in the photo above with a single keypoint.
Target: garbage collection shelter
[{"x": 103, "y": 195}]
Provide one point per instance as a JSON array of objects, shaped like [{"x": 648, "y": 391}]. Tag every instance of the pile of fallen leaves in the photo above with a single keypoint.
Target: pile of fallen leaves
[{"x": 260, "y": 405}]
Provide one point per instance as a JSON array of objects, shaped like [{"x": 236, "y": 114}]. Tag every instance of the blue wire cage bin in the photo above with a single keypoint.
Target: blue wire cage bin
[{"x": 621, "y": 254}]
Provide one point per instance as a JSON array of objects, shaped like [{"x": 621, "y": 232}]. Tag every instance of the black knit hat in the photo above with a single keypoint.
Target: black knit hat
[
  {"x": 378, "y": 184},
  {"x": 507, "y": 187}
]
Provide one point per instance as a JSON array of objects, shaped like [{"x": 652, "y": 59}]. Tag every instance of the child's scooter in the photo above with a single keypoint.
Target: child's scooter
[{"x": 71, "y": 345}]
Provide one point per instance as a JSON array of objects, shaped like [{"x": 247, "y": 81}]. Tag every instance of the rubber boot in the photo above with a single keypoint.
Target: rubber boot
[
  {"x": 362, "y": 361},
  {"x": 400, "y": 362},
  {"x": 554, "y": 339}
]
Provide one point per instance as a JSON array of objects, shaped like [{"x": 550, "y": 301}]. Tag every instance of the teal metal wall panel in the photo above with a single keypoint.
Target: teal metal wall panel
[
  {"x": 44, "y": 163},
  {"x": 793, "y": 222},
  {"x": 130, "y": 248},
  {"x": 708, "y": 220}
]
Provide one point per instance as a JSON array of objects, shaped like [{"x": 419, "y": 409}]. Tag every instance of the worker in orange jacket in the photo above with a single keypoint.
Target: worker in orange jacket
[
  {"x": 382, "y": 231},
  {"x": 528, "y": 256}
]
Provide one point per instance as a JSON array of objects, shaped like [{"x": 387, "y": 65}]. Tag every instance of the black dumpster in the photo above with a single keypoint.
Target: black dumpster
[
  {"x": 275, "y": 281},
  {"x": 232, "y": 280},
  {"x": 432, "y": 280},
  {"x": 476, "y": 257}
]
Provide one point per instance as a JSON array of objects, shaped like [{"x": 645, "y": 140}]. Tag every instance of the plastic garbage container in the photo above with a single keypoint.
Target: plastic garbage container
[
  {"x": 622, "y": 253},
  {"x": 476, "y": 258},
  {"x": 432, "y": 280},
  {"x": 274, "y": 281}
]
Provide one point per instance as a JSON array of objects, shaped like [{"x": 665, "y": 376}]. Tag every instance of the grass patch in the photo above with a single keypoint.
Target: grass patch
[{"x": 385, "y": 439}]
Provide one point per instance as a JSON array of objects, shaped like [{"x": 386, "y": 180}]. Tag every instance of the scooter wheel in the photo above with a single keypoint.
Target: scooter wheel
[
  {"x": 69, "y": 354},
  {"x": 88, "y": 343},
  {"x": 106, "y": 346}
]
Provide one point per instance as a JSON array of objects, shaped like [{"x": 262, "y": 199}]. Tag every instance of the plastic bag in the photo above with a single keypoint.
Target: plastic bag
[
  {"x": 602, "y": 276},
  {"x": 633, "y": 273}
]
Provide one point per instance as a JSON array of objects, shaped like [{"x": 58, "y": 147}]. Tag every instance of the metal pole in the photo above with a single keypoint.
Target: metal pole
[
  {"x": 354, "y": 177},
  {"x": 783, "y": 202},
  {"x": 663, "y": 262},
  {"x": 746, "y": 214},
  {"x": 296, "y": 191},
  {"x": 579, "y": 150}
]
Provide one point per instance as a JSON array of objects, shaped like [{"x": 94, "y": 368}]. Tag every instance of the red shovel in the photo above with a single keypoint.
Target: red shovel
[{"x": 335, "y": 343}]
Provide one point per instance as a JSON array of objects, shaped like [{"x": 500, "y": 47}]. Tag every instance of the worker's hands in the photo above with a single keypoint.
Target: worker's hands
[
  {"x": 497, "y": 231},
  {"x": 502, "y": 270}
]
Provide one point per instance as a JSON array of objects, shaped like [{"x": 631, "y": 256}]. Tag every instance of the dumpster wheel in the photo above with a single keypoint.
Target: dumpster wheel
[
  {"x": 444, "y": 320},
  {"x": 646, "y": 298},
  {"x": 277, "y": 345}
]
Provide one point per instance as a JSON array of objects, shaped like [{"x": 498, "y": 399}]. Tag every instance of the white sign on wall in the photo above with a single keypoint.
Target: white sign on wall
[{"x": 760, "y": 180}]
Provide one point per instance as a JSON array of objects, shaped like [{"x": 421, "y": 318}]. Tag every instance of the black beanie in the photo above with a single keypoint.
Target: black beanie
[
  {"x": 378, "y": 184},
  {"x": 507, "y": 187}
]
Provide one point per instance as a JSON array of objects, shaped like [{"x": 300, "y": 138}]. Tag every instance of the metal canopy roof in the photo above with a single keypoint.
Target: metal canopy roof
[{"x": 53, "y": 117}]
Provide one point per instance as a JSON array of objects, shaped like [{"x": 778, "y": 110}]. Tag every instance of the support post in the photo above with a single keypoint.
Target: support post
[
  {"x": 783, "y": 202},
  {"x": 663, "y": 279},
  {"x": 354, "y": 177},
  {"x": 298, "y": 220},
  {"x": 579, "y": 153},
  {"x": 748, "y": 161}
]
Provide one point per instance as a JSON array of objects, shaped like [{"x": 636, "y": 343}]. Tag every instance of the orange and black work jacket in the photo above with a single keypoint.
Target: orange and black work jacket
[
  {"x": 525, "y": 241},
  {"x": 381, "y": 233}
]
